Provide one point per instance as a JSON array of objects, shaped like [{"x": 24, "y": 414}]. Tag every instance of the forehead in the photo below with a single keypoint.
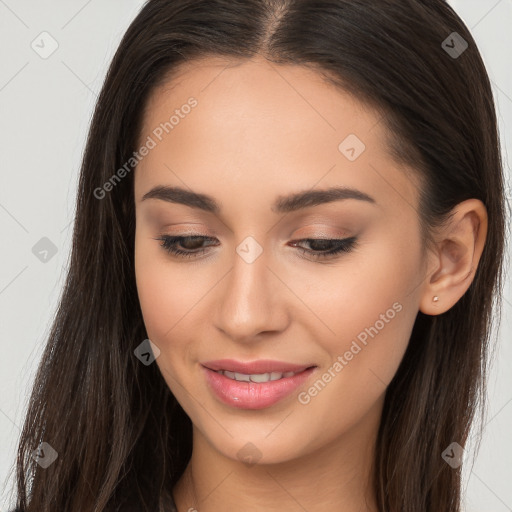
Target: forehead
[
  {"x": 247, "y": 92},
  {"x": 264, "y": 127}
]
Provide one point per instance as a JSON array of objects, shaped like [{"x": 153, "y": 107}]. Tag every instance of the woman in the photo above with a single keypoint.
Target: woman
[{"x": 289, "y": 235}]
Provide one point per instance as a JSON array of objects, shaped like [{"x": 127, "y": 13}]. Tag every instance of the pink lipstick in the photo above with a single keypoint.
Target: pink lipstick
[{"x": 254, "y": 385}]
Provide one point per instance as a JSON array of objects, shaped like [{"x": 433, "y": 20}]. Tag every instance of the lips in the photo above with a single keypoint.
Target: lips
[
  {"x": 255, "y": 367},
  {"x": 254, "y": 395}
]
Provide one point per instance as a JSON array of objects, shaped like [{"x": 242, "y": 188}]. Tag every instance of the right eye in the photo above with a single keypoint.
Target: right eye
[{"x": 191, "y": 243}]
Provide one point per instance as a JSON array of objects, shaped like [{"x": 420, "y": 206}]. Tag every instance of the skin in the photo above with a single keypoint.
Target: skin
[{"x": 261, "y": 131}]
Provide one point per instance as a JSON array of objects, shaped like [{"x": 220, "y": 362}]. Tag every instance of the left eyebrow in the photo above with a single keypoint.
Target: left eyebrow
[{"x": 283, "y": 204}]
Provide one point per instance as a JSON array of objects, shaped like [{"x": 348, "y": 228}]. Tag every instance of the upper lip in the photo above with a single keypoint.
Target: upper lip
[{"x": 255, "y": 367}]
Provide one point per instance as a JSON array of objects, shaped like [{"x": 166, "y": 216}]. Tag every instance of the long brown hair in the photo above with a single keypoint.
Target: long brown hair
[{"x": 120, "y": 434}]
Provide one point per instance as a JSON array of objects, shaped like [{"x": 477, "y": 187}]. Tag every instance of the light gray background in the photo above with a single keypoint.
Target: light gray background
[{"x": 46, "y": 106}]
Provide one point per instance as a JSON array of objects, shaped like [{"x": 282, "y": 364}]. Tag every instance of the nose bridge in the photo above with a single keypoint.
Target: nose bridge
[{"x": 249, "y": 302}]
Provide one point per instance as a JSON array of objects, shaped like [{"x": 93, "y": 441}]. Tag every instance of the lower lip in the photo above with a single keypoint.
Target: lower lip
[{"x": 253, "y": 395}]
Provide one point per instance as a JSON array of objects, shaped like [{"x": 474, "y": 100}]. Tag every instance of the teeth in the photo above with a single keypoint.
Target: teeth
[{"x": 257, "y": 377}]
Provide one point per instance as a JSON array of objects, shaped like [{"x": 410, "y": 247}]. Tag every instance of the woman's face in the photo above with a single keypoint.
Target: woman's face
[{"x": 253, "y": 138}]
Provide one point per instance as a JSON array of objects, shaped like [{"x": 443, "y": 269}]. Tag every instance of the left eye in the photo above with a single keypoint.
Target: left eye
[
  {"x": 192, "y": 245},
  {"x": 338, "y": 246}
]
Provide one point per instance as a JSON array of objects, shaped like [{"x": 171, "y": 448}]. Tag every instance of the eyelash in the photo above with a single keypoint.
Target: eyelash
[{"x": 344, "y": 245}]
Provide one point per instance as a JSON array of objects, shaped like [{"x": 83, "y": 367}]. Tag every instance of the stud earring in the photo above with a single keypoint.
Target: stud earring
[{"x": 435, "y": 298}]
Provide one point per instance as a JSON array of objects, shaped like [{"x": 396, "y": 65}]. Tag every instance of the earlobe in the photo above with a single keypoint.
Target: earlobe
[{"x": 458, "y": 250}]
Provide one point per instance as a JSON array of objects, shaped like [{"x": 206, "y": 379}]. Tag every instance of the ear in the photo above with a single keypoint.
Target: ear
[{"x": 452, "y": 265}]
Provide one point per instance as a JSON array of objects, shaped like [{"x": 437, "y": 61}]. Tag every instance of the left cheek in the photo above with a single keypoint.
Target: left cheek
[{"x": 369, "y": 322}]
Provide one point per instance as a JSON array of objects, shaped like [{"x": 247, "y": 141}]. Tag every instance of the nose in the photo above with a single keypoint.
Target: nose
[{"x": 251, "y": 300}]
